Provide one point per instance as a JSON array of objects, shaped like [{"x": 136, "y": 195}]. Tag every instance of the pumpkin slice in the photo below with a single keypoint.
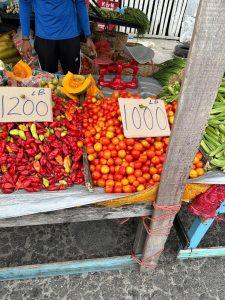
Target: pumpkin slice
[
  {"x": 75, "y": 84},
  {"x": 93, "y": 90},
  {"x": 20, "y": 71},
  {"x": 71, "y": 96}
]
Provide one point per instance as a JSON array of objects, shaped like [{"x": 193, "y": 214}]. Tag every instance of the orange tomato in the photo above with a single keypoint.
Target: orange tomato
[
  {"x": 140, "y": 187},
  {"x": 90, "y": 150},
  {"x": 109, "y": 182},
  {"x": 109, "y": 189},
  {"x": 200, "y": 171},
  {"x": 107, "y": 154},
  {"x": 138, "y": 146},
  {"x": 129, "y": 170},
  {"x": 193, "y": 174},
  {"x": 145, "y": 143},
  {"x": 127, "y": 189},
  {"x": 131, "y": 178},
  {"x": 158, "y": 145},
  {"x": 199, "y": 155},
  {"x": 96, "y": 175},
  {"x": 143, "y": 158},
  {"x": 196, "y": 160},
  {"x": 124, "y": 181},
  {"x": 150, "y": 153},
  {"x": 156, "y": 177},
  {"x": 121, "y": 153},
  {"x": 109, "y": 134},
  {"x": 137, "y": 173},
  {"x": 80, "y": 144},
  {"x": 92, "y": 168},
  {"x": 115, "y": 141},
  {"x": 101, "y": 182},
  {"x": 155, "y": 160},
  {"x": 103, "y": 161},
  {"x": 200, "y": 164},
  {"x": 91, "y": 157},
  {"x": 122, "y": 145},
  {"x": 104, "y": 169},
  {"x": 110, "y": 162},
  {"x": 118, "y": 161},
  {"x": 98, "y": 147},
  {"x": 146, "y": 176},
  {"x": 121, "y": 137}
]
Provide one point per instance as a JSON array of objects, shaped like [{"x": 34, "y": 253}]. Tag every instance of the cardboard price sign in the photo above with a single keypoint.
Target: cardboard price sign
[
  {"x": 25, "y": 104},
  {"x": 144, "y": 118}
]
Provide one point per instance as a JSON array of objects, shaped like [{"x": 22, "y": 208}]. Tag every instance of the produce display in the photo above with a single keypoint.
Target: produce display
[
  {"x": 20, "y": 71},
  {"x": 36, "y": 156},
  {"x": 213, "y": 142},
  {"x": 131, "y": 15},
  {"x": 8, "y": 52},
  {"x": 170, "y": 71},
  {"x": 120, "y": 164}
]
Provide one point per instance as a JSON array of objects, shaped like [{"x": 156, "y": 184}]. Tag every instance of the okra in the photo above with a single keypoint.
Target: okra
[
  {"x": 218, "y": 162},
  {"x": 217, "y": 150},
  {"x": 205, "y": 147},
  {"x": 212, "y": 140},
  {"x": 212, "y": 134}
]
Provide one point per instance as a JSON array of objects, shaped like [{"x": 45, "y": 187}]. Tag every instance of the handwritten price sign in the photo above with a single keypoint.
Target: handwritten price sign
[
  {"x": 144, "y": 118},
  {"x": 25, "y": 104}
]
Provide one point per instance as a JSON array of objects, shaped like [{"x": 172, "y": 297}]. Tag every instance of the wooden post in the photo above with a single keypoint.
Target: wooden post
[{"x": 204, "y": 71}]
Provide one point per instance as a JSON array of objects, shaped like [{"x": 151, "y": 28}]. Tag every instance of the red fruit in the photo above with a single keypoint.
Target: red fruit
[
  {"x": 137, "y": 173},
  {"x": 129, "y": 158},
  {"x": 122, "y": 170},
  {"x": 127, "y": 188},
  {"x": 101, "y": 182},
  {"x": 138, "y": 146},
  {"x": 118, "y": 177},
  {"x": 117, "y": 189},
  {"x": 155, "y": 160},
  {"x": 135, "y": 153},
  {"x": 118, "y": 161},
  {"x": 130, "y": 142},
  {"x": 109, "y": 189},
  {"x": 96, "y": 175},
  {"x": 137, "y": 164},
  {"x": 129, "y": 170},
  {"x": 156, "y": 178},
  {"x": 150, "y": 153}
]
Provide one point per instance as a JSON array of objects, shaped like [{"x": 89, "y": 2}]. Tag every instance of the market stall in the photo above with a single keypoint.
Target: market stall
[{"x": 85, "y": 141}]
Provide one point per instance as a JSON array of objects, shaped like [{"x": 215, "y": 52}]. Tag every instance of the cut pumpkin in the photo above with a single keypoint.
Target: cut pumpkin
[
  {"x": 93, "y": 90},
  {"x": 20, "y": 71},
  {"x": 75, "y": 84},
  {"x": 71, "y": 96}
]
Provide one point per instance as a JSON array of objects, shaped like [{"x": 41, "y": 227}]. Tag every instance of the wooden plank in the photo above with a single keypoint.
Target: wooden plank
[
  {"x": 68, "y": 268},
  {"x": 201, "y": 252},
  {"x": 167, "y": 18},
  {"x": 158, "y": 16},
  {"x": 172, "y": 17},
  {"x": 156, "y": 3},
  {"x": 81, "y": 214},
  {"x": 139, "y": 238},
  {"x": 177, "y": 31},
  {"x": 205, "y": 68},
  {"x": 165, "y": 6},
  {"x": 177, "y": 16}
]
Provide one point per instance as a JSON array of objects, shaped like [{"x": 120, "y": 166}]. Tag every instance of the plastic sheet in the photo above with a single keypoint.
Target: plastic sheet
[{"x": 22, "y": 203}]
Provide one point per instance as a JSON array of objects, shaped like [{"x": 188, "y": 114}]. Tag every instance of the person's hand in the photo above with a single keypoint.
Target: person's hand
[
  {"x": 26, "y": 49},
  {"x": 91, "y": 46}
]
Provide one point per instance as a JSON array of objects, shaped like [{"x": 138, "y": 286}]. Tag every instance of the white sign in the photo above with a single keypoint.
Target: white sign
[
  {"x": 25, "y": 104},
  {"x": 144, "y": 118}
]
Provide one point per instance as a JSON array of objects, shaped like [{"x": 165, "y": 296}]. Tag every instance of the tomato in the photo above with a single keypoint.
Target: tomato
[
  {"x": 147, "y": 176},
  {"x": 122, "y": 145},
  {"x": 101, "y": 182},
  {"x": 118, "y": 177},
  {"x": 92, "y": 168},
  {"x": 109, "y": 134},
  {"x": 104, "y": 169},
  {"x": 127, "y": 189},
  {"x": 200, "y": 164},
  {"x": 105, "y": 176},
  {"x": 109, "y": 182},
  {"x": 131, "y": 178},
  {"x": 91, "y": 157},
  {"x": 155, "y": 160},
  {"x": 109, "y": 189},
  {"x": 152, "y": 170},
  {"x": 118, "y": 161},
  {"x": 110, "y": 162},
  {"x": 158, "y": 145},
  {"x": 135, "y": 153},
  {"x": 162, "y": 157},
  {"x": 129, "y": 170},
  {"x": 145, "y": 143},
  {"x": 150, "y": 153},
  {"x": 137, "y": 164},
  {"x": 98, "y": 168},
  {"x": 199, "y": 155},
  {"x": 122, "y": 170},
  {"x": 121, "y": 153},
  {"x": 115, "y": 141},
  {"x": 124, "y": 181},
  {"x": 121, "y": 137},
  {"x": 114, "y": 153},
  {"x": 117, "y": 189},
  {"x": 130, "y": 142},
  {"x": 106, "y": 154},
  {"x": 196, "y": 160},
  {"x": 125, "y": 164},
  {"x": 111, "y": 147},
  {"x": 105, "y": 141},
  {"x": 129, "y": 158},
  {"x": 140, "y": 188},
  {"x": 112, "y": 169},
  {"x": 143, "y": 158},
  {"x": 141, "y": 180},
  {"x": 156, "y": 177},
  {"x": 90, "y": 150},
  {"x": 103, "y": 161},
  {"x": 137, "y": 173},
  {"x": 200, "y": 171},
  {"x": 138, "y": 146},
  {"x": 136, "y": 183},
  {"x": 96, "y": 175}
]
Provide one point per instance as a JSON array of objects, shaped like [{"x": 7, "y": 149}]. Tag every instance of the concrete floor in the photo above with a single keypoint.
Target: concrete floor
[{"x": 201, "y": 279}]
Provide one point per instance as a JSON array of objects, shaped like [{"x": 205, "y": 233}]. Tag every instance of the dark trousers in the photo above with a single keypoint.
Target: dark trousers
[{"x": 50, "y": 52}]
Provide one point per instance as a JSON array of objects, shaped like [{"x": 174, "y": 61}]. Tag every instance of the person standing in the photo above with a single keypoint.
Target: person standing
[{"x": 58, "y": 26}]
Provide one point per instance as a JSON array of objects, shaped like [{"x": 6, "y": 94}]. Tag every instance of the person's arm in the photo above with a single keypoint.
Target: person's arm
[
  {"x": 82, "y": 13},
  {"x": 25, "y": 6}
]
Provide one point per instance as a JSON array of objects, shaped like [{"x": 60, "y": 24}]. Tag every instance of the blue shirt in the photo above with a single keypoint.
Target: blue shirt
[{"x": 55, "y": 19}]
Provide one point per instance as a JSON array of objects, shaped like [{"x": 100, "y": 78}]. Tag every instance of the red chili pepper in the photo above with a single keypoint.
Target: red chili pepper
[
  {"x": 43, "y": 161},
  {"x": 53, "y": 154},
  {"x": 65, "y": 150}
]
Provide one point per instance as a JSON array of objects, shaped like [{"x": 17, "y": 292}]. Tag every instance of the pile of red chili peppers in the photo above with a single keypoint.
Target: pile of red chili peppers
[{"x": 36, "y": 156}]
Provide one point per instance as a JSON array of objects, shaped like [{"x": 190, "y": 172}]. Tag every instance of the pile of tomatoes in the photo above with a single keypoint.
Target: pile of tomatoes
[{"x": 119, "y": 164}]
